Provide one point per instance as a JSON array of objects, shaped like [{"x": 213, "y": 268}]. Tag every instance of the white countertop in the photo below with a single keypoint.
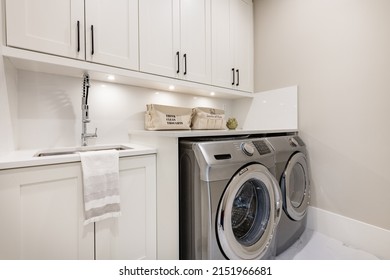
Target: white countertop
[
  {"x": 206, "y": 133},
  {"x": 26, "y": 158}
]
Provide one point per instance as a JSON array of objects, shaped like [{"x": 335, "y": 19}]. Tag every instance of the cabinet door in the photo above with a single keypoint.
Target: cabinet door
[
  {"x": 175, "y": 39},
  {"x": 243, "y": 43},
  {"x": 41, "y": 214},
  {"x": 49, "y": 26},
  {"x": 195, "y": 39},
  {"x": 112, "y": 32},
  {"x": 159, "y": 36},
  {"x": 222, "y": 49},
  {"x": 133, "y": 234},
  {"x": 232, "y": 44}
]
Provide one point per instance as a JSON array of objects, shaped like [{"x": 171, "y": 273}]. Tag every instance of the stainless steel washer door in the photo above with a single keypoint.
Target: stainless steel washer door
[
  {"x": 295, "y": 187},
  {"x": 248, "y": 213}
]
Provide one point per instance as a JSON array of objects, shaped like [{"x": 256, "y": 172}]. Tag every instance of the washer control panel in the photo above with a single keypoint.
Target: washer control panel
[
  {"x": 262, "y": 147},
  {"x": 247, "y": 149},
  {"x": 232, "y": 151}
]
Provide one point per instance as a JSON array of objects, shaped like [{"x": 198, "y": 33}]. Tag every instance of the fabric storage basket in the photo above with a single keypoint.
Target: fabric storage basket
[
  {"x": 208, "y": 118},
  {"x": 162, "y": 117}
]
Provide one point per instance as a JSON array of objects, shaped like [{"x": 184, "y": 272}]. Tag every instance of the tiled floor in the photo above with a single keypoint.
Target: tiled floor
[{"x": 316, "y": 246}]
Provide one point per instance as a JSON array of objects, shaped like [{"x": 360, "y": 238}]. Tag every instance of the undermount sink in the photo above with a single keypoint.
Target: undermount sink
[{"x": 74, "y": 150}]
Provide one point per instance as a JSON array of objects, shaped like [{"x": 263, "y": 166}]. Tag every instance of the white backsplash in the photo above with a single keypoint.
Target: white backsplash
[
  {"x": 268, "y": 110},
  {"x": 49, "y": 109},
  {"x": 45, "y": 109}
]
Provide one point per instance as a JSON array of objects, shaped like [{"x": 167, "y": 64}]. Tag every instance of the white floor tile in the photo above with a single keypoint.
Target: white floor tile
[{"x": 316, "y": 246}]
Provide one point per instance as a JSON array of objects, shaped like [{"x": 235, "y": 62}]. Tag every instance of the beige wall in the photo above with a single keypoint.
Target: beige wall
[{"x": 338, "y": 53}]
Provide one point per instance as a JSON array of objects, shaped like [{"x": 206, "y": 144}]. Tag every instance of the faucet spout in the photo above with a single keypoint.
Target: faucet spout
[{"x": 85, "y": 112}]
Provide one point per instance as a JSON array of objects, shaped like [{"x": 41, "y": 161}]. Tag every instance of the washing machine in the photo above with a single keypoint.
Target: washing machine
[
  {"x": 230, "y": 202},
  {"x": 292, "y": 172}
]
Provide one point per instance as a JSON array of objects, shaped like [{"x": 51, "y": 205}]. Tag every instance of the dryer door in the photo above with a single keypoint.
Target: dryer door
[
  {"x": 296, "y": 187},
  {"x": 248, "y": 213}
]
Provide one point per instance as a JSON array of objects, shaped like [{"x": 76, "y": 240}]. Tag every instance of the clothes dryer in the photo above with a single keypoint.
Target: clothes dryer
[
  {"x": 292, "y": 171},
  {"x": 230, "y": 201}
]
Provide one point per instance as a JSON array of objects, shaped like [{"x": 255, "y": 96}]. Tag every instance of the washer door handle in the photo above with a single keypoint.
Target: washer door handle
[{"x": 222, "y": 220}]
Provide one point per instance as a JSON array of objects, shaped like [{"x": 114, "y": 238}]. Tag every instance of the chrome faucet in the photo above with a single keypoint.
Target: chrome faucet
[{"x": 85, "y": 113}]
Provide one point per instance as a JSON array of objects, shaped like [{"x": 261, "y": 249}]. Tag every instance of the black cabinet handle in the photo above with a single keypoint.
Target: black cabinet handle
[
  {"x": 238, "y": 77},
  {"x": 178, "y": 62},
  {"x": 185, "y": 64},
  {"x": 233, "y": 77},
  {"x": 78, "y": 36},
  {"x": 92, "y": 41}
]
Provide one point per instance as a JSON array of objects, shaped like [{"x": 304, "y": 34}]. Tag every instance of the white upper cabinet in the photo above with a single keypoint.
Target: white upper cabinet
[
  {"x": 243, "y": 44},
  {"x": 107, "y": 34},
  {"x": 175, "y": 39},
  {"x": 158, "y": 37},
  {"x": 195, "y": 39},
  {"x": 205, "y": 42},
  {"x": 112, "y": 32},
  {"x": 48, "y": 26},
  {"x": 232, "y": 44}
]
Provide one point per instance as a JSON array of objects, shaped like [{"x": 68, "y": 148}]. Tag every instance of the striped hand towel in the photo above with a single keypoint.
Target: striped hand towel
[{"x": 101, "y": 185}]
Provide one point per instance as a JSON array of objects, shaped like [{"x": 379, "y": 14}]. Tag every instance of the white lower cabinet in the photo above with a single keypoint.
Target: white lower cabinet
[
  {"x": 133, "y": 234},
  {"x": 42, "y": 214}
]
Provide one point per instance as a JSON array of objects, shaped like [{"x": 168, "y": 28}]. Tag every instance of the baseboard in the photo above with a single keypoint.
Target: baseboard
[{"x": 351, "y": 232}]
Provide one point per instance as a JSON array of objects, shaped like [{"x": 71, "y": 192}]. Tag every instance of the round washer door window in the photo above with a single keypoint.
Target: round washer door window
[
  {"x": 247, "y": 213},
  {"x": 295, "y": 187},
  {"x": 250, "y": 212}
]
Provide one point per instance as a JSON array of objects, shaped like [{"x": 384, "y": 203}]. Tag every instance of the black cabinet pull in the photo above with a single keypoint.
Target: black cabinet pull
[
  {"x": 178, "y": 62},
  {"x": 78, "y": 36},
  {"x": 233, "y": 77},
  {"x": 238, "y": 77},
  {"x": 185, "y": 64},
  {"x": 92, "y": 41}
]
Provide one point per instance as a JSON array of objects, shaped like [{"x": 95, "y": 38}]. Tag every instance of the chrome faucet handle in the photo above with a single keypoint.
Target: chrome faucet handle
[{"x": 91, "y": 135}]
